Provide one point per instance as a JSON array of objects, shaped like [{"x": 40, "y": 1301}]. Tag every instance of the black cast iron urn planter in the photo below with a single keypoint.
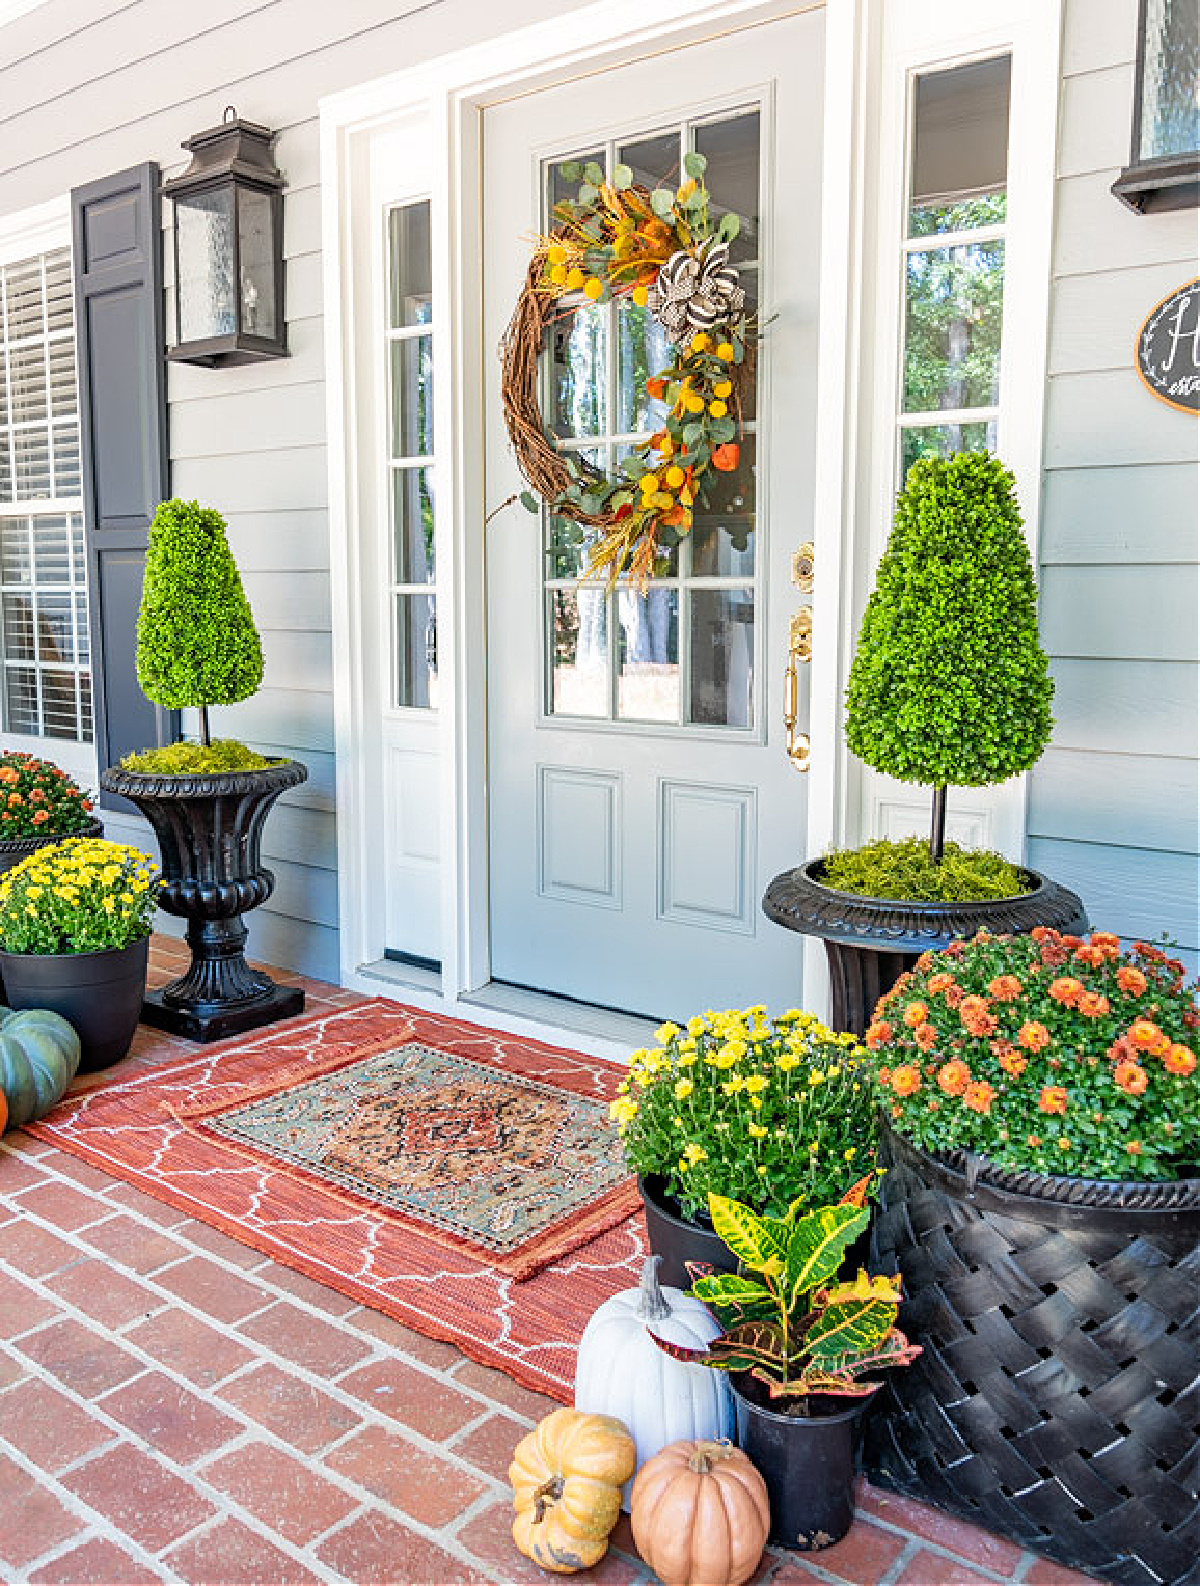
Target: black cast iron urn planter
[
  {"x": 870, "y": 942},
  {"x": 209, "y": 831},
  {"x": 1055, "y": 1401}
]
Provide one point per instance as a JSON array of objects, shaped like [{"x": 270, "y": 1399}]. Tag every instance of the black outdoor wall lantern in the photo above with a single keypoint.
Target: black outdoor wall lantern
[
  {"x": 228, "y": 231},
  {"x": 1164, "y": 159}
]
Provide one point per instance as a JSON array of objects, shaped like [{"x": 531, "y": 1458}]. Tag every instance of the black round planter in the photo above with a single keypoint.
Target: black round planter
[
  {"x": 1055, "y": 1401},
  {"x": 14, "y": 849},
  {"x": 807, "y": 1462},
  {"x": 99, "y": 994},
  {"x": 209, "y": 831},
  {"x": 870, "y": 942},
  {"x": 677, "y": 1239}
]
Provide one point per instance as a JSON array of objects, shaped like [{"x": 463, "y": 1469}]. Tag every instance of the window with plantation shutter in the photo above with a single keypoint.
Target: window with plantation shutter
[{"x": 45, "y": 690}]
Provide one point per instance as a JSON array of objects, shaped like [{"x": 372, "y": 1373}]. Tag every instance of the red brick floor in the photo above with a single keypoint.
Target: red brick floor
[{"x": 175, "y": 1408}]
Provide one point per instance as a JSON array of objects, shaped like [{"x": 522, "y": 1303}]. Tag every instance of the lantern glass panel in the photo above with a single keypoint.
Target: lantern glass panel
[
  {"x": 204, "y": 259},
  {"x": 256, "y": 238}
]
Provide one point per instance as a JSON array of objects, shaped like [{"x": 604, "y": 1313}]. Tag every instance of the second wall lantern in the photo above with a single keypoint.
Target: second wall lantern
[{"x": 228, "y": 235}]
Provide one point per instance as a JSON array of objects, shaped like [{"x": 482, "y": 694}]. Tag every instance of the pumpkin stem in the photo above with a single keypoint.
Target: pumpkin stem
[
  {"x": 705, "y": 1455},
  {"x": 653, "y": 1306},
  {"x": 547, "y": 1495}
]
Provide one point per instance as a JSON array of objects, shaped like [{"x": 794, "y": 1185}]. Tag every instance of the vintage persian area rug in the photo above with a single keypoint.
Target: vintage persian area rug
[{"x": 460, "y": 1179}]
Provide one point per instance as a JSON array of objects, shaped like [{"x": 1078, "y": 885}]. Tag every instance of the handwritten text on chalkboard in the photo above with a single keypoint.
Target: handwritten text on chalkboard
[{"x": 1168, "y": 349}]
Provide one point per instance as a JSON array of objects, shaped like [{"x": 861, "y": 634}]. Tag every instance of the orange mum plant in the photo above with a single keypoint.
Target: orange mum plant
[{"x": 1049, "y": 1052}]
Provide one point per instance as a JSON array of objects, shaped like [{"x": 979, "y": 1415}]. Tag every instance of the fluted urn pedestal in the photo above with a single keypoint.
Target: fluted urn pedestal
[{"x": 209, "y": 831}]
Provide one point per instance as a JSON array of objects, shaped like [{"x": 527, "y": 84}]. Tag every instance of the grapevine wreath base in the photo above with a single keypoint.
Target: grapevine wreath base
[{"x": 665, "y": 251}]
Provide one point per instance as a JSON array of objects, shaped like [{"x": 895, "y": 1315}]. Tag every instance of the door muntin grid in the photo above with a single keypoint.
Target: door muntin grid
[{"x": 683, "y": 653}]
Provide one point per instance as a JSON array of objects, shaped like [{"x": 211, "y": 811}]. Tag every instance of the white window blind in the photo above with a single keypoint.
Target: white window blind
[{"x": 44, "y": 652}]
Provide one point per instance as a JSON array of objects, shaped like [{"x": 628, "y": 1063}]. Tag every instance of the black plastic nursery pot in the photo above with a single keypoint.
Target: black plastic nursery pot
[
  {"x": 870, "y": 942},
  {"x": 14, "y": 849},
  {"x": 679, "y": 1239},
  {"x": 807, "y": 1462},
  {"x": 100, "y": 994},
  {"x": 1055, "y": 1401},
  {"x": 209, "y": 831}
]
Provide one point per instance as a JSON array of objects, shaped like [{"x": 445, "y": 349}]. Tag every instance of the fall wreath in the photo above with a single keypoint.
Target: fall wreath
[{"x": 664, "y": 251}]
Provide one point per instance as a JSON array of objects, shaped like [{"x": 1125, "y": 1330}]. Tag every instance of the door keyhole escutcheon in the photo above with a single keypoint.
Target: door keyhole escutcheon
[{"x": 798, "y": 744}]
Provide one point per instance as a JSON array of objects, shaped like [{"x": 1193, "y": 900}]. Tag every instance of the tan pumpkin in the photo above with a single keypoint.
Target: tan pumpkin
[
  {"x": 700, "y": 1515},
  {"x": 566, "y": 1477}
]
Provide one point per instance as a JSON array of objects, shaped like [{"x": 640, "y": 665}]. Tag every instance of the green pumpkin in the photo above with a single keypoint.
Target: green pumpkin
[{"x": 39, "y": 1054}]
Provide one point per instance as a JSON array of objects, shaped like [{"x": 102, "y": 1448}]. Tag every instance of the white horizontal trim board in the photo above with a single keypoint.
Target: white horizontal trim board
[
  {"x": 1095, "y": 233},
  {"x": 1095, "y": 319},
  {"x": 1136, "y": 513},
  {"x": 1135, "y": 801},
  {"x": 1136, "y": 613},
  {"x": 1135, "y": 891},
  {"x": 1098, "y": 33},
  {"x": 241, "y": 484},
  {"x": 1097, "y": 112},
  {"x": 1127, "y": 707}
]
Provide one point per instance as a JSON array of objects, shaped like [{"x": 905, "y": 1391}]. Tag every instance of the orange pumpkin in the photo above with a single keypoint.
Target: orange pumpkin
[
  {"x": 566, "y": 1477},
  {"x": 700, "y": 1515},
  {"x": 3, "y": 1112}
]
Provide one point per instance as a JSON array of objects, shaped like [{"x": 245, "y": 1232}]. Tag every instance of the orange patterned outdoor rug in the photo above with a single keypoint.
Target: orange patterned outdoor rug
[{"x": 463, "y": 1180}]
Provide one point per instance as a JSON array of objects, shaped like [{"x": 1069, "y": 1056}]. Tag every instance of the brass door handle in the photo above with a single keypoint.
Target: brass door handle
[{"x": 798, "y": 744}]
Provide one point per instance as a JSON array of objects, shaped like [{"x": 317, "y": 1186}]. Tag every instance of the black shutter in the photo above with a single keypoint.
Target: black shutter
[{"x": 123, "y": 424}]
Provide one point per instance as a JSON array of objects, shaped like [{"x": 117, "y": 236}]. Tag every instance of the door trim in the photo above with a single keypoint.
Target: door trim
[{"x": 447, "y": 97}]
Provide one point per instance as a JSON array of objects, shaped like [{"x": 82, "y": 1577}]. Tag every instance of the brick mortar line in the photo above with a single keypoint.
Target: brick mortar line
[
  {"x": 943, "y": 1551},
  {"x": 339, "y": 1323},
  {"x": 80, "y": 1539},
  {"x": 254, "y": 1431}
]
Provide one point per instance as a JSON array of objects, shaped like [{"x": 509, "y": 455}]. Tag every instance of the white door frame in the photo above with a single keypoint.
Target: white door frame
[{"x": 444, "y": 100}]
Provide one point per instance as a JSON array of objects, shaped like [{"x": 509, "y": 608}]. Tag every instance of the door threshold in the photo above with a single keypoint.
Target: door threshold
[
  {"x": 402, "y": 972},
  {"x": 627, "y": 1030}
]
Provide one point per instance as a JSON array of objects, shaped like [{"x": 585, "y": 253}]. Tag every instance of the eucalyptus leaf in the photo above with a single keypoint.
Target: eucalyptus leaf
[
  {"x": 662, "y": 202},
  {"x": 622, "y": 177},
  {"x": 730, "y": 226},
  {"x": 571, "y": 171},
  {"x": 722, "y": 430},
  {"x": 529, "y": 501},
  {"x": 695, "y": 164},
  {"x": 696, "y": 199},
  {"x": 588, "y": 194},
  {"x": 593, "y": 173}
]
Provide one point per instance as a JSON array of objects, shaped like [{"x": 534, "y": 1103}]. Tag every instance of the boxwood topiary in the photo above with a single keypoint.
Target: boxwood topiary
[
  {"x": 949, "y": 684},
  {"x": 196, "y": 640}
]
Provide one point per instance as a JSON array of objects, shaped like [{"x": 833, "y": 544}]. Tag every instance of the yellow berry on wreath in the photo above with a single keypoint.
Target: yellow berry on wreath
[
  {"x": 675, "y": 476},
  {"x": 558, "y": 274},
  {"x": 574, "y": 279},
  {"x": 663, "y": 500},
  {"x": 725, "y": 351},
  {"x": 723, "y": 389},
  {"x": 594, "y": 289},
  {"x": 701, "y": 341},
  {"x": 648, "y": 484},
  {"x": 557, "y": 254},
  {"x": 718, "y": 409},
  {"x": 640, "y": 295},
  {"x": 694, "y": 404}
]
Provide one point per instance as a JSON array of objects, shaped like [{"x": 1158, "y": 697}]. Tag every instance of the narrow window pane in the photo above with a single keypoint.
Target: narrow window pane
[
  {"x": 27, "y": 383},
  {"x": 960, "y": 147},
  {"x": 14, "y": 552},
  {"x": 31, "y": 458},
  {"x": 18, "y": 628},
  {"x": 559, "y": 187},
  {"x": 256, "y": 240},
  {"x": 204, "y": 229},
  {"x": 59, "y": 704},
  {"x": 412, "y": 397},
  {"x": 731, "y": 148},
  {"x": 578, "y": 372},
  {"x": 955, "y": 301},
  {"x": 578, "y": 634},
  {"x": 24, "y": 308},
  {"x": 723, "y": 533},
  {"x": 66, "y": 459},
  {"x": 655, "y": 161},
  {"x": 648, "y": 683},
  {"x": 62, "y": 377},
  {"x": 414, "y": 556},
  {"x": 1170, "y": 73},
  {"x": 945, "y": 440},
  {"x": 416, "y": 650},
  {"x": 411, "y": 270},
  {"x": 643, "y": 350},
  {"x": 722, "y": 634},
  {"x": 21, "y": 700}
]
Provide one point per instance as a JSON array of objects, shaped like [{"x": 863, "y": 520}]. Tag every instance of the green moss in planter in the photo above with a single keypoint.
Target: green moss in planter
[
  {"x": 196, "y": 759},
  {"x": 906, "y": 870}
]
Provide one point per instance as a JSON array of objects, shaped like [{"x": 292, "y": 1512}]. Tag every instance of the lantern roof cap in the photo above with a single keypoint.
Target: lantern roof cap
[{"x": 235, "y": 148}]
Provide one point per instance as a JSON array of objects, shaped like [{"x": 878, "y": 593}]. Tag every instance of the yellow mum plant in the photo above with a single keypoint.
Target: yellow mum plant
[{"x": 80, "y": 896}]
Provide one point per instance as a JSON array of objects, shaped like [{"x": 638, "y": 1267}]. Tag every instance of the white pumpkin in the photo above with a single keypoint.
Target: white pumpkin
[{"x": 620, "y": 1370}]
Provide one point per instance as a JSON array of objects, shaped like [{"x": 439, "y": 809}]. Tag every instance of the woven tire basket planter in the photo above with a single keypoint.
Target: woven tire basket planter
[{"x": 1056, "y": 1400}]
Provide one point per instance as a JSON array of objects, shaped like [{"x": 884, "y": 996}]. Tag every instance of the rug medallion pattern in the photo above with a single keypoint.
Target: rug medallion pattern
[{"x": 492, "y": 1158}]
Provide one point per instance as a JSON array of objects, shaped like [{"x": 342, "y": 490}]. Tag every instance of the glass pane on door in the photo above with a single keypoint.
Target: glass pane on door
[{"x": 679, "y": 653}]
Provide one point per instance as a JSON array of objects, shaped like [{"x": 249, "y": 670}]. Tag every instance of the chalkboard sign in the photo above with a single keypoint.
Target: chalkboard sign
[{"x": 1168, "y": 349}]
